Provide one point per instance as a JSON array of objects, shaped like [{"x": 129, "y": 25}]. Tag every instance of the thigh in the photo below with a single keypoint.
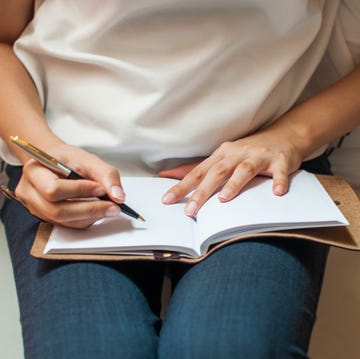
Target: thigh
[
  {"x": 81, "y": 309},
  {"x": 254, "y": 299}
]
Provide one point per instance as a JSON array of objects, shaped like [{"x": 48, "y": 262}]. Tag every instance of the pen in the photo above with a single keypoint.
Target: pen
[{"x": 58, "y": 167}]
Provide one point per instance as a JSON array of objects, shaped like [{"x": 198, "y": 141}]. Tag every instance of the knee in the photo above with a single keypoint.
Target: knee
[
  {"x": 96, "y": 341},
  {"x": 241, "y": 340},
  {"x": 242, "y": 348}
]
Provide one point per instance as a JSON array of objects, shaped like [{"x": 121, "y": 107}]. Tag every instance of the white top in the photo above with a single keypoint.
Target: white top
[{"x": 147, "y": 84}]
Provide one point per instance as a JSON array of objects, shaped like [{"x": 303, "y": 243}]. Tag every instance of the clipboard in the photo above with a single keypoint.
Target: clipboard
[{"x": 347, "y": 237}]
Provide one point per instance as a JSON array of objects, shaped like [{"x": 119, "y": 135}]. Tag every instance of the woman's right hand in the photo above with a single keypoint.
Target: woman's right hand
[{"x": 71, "y": 203}]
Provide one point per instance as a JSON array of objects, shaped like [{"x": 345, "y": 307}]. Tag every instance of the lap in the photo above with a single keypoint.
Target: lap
[
  {"x": 257, "y": 298},
  {"x": 81, "y": 309},
  {"x": 253, "y": 296}
]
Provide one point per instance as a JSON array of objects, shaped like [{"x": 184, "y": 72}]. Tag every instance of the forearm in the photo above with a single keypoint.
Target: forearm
[
  {"x": 21, "y": 110},
  {"x": 276, "y": 150},
  {"x": 324, "y": 117},
  {"x": 45, "y": 194}
]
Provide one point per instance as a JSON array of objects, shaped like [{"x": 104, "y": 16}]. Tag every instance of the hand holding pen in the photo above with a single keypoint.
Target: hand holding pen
[{"x": 63, "y": 206}]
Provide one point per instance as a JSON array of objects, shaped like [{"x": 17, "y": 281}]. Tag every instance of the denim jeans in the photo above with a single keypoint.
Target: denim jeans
[{"x": 252, "y": 299}]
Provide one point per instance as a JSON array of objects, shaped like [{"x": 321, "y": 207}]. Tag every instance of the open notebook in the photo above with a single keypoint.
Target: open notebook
[{"x": 167, "y": 230}]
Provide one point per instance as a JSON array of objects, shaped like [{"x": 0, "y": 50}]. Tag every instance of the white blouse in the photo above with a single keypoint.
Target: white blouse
[{"x": 147, "y": 84}]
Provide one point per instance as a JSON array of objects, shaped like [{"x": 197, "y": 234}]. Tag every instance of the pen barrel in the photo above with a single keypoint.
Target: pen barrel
[
  {"x": 124, "y": 208},
  {"x": 74, "y": 176}
]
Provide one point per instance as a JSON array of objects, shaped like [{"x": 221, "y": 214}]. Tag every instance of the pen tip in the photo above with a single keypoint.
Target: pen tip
[{"x": 141, "y": 219}]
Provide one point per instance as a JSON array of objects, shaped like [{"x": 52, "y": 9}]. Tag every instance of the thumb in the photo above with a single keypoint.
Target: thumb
[
  {"x": 112, "y": 184},
  {"x": 108, "y": 177}
]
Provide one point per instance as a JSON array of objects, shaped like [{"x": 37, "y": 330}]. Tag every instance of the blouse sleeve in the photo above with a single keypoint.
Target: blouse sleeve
[{"x": 349, "y": 25}]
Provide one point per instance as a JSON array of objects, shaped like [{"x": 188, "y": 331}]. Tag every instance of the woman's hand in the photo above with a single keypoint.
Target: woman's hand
[
  {"x": 71, "y": 203},
  {"x": 276, "y": 151},
  {"x": 233, "y": 165}
]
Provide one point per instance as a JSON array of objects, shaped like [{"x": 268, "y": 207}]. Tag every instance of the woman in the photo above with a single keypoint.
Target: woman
[{"x": 210, "y": 92}]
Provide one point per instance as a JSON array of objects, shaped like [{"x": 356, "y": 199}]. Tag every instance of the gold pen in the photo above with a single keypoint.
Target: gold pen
[{"x": 58, "y": 167}]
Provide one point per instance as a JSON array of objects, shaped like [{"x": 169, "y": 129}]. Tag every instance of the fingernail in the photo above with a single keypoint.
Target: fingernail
[
  {"x": 280, "y": 189},
  {"x": 191, "y": 208},
  {"x": 117, "y": 192},
  {"x": 168, "y": 198},
  {"x": 112, "y": 211},
  {"x": 225, "y": 193}
]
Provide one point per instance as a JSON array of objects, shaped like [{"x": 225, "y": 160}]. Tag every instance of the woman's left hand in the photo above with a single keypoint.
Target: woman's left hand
[
  {"x": 231, "y": 166},
  {"x": 275, "y": 151}
]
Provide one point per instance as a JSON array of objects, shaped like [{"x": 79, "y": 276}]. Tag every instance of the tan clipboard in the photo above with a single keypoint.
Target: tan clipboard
[{"x": 345, "y": 236}]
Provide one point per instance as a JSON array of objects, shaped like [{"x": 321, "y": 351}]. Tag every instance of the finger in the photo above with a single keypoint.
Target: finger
[
  {"x": 68, "y": 211},
  {"x": 242, "y": 174},
  {"x": 86, "y": 211},
  {"x": 280, "y": 181},
  {"x": 60, "y": 189},
  {"x": 104, "y": 174},
  {"x": 187, "y": 184},
  {"x": 178, "y": 172},
  {"x": 71, "y": 212},
  {"x": 55, "y": 189},
  {"x": 215, "y": 177}
]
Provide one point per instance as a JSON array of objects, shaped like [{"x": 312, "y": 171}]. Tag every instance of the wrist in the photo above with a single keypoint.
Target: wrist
[
  {"x": 303, "y": 139},
  {"x": 294, "y": 139}
]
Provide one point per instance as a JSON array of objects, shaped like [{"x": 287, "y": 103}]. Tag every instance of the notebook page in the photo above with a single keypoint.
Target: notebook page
[
  {"x": 165, "y": 227},
  {"x": 256, "y": 209}
]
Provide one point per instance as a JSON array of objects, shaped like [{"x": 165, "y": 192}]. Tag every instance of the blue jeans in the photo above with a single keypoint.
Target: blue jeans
[{"x": 253, "y": 299}]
